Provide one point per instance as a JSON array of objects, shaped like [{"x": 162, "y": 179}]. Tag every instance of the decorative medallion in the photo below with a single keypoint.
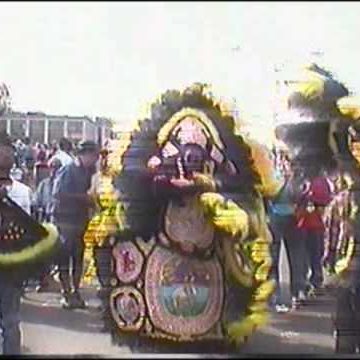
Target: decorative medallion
[
  {"x": 187, "y": 226},
  {"x": 127, "y": 308},
  {"x": 184, "y": 296},
  {"x": 128, "y": 261}
]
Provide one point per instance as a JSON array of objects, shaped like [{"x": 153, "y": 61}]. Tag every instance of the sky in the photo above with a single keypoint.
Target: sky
[{"x": 112, "y": 59}]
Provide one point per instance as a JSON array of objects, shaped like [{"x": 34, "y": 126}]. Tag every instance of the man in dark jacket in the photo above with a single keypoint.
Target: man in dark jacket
[{"x": 71, "y": 215}]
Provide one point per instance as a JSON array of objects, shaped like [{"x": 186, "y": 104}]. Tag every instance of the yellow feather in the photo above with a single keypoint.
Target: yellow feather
[
  {"x": 240, "y": 329},
  {"x": 264, "y": 291},
  {"x": 263, "y": 270},
  {"x": 270, "y": 182},
  {"x": 225, "y": 215},
  {"x": 350, "y": 106}
]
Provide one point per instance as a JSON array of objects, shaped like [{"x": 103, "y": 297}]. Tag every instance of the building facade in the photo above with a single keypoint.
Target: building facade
[{"x": 46, "y": 129}]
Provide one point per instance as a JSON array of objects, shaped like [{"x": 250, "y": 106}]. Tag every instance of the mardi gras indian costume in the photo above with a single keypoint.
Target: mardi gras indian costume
[
  {"x": 25, "y": 245},
  {"x": 347, "y": 317},
  {"x": 191, "y": 258},
  {"x": 329, "y": 137}
]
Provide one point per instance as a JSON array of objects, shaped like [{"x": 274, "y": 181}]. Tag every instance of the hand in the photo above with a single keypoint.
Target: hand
[{"x": 153, "y": 163}]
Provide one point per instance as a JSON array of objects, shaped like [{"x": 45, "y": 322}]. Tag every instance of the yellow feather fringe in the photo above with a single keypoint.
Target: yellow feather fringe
[
  {"x": 225, "y": 215},
  {"x": 229, "y": 218},
  {"x": 238, "y": 331},
  {"x": 31, "y": 253},
  {"x": 350, "y": 106},
  {"x": 270, "y": 182},
  {"x": 101, "y": 226}
]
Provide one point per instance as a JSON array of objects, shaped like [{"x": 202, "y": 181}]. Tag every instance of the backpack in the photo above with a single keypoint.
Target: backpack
[
  {"x": 320, "y": 191},
  {"x": 317, "y": 194}
]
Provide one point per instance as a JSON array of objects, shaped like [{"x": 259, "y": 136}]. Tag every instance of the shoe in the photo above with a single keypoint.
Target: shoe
[
  {"x": 66, "y": 301},
  {"x": 281, "y": 308},
  {"x": 302, "y": 296},
  {"x": 44, "y": 287},
  {"x": 295, "y": 303},
  {"x": 79, "y": 303}
]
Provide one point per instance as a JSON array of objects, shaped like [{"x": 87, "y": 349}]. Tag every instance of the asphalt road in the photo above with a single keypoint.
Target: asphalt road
[{"x": 49, "y": 329}]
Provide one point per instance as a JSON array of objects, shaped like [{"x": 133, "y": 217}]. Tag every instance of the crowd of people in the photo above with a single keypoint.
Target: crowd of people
[
  {"x": 302, "y": 219},
  {"x": 32, "y": 160},
  {"x": 51, "y": 185}
]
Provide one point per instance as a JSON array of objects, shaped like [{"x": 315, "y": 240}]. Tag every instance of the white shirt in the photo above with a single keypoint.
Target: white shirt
[
  {"x": 20, "y": 194},
  {"x": 64, "y": 157}
]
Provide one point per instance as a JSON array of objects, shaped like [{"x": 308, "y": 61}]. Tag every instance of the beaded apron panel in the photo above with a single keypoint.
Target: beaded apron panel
[
  {"x": 160, "y": 293},
  {"x": 187, "y": 226},
  {"x": 184, "y": 296}
]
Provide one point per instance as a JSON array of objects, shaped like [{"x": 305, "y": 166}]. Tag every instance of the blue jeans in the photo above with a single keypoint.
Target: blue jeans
[
  {"x": 314, "y": 244},
  {"x": 283, "y": 229},
  {"x": 10, "y": 296}
]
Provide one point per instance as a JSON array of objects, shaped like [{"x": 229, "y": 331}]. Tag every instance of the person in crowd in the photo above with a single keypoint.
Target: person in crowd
[
  {"x": 64, "y": 153},
  {"x": 316, "y": 195},
  {"x": 17, "y": 173},
  {"x": 337, "y": 222},
  {"x": 19, "y": 152},
  {"x": 41, "y": 168},
  {"x": 71, "y": 215},
  {"x": 28, "y": 162},
  {"x": 42, "y": 203},
  {"x": 54, "y": 147},
  {"x": 281, "y": 210},
  {"x": 11, "y": 286},
  {"x": 106, "y": 197},
  {"x": 29, "y": 156},
  {"x": 42, "y": 199}
]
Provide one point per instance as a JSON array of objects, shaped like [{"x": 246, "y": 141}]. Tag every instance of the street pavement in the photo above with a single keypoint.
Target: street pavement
[{"x": 50, "y": 330}]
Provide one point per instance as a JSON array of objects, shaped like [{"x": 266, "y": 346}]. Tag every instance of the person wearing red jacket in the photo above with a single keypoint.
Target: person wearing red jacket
[{"x": 316, "y": 195}]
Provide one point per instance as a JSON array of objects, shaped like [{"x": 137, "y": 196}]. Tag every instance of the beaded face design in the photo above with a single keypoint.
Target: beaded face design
[{"x": 191, "y": 138}]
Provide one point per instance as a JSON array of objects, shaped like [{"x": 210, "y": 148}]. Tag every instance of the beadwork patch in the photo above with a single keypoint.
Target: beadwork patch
[
  {"x": 187, "y": 226},
  {"x": 128, "y": 261},
  {"x": 184, "y": 296},
  {"x": 127, "y": 308}
]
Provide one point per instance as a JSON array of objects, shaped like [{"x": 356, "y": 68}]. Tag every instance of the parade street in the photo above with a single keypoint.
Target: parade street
[{"x": 49, "y": 329}]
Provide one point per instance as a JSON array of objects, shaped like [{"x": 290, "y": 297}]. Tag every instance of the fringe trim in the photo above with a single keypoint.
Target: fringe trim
[
  {"x": 230, "y": 218},
  {"x": 32, "y": 253}
]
